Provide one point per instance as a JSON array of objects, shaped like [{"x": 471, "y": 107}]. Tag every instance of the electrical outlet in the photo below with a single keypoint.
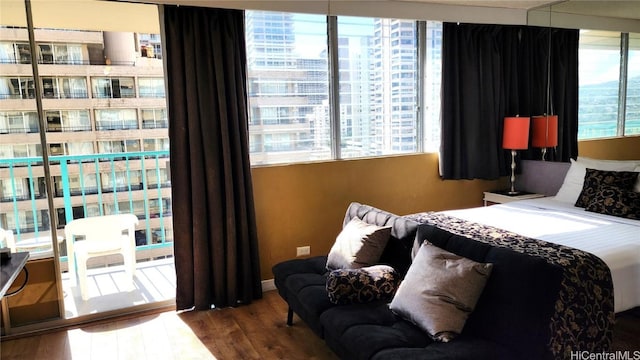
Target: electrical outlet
[{"x": 303, "y": 250}]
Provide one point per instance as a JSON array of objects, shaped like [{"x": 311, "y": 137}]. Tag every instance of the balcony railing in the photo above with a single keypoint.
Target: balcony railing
[{"x": 111, "y": 196}]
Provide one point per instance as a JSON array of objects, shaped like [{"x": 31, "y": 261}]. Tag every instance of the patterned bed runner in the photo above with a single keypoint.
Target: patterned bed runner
[{"x": 584, "y": 311}]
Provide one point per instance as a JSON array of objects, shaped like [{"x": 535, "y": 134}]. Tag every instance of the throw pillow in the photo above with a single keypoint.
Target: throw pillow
[
  {"x": 614, "y": 201},
  {"x": 574, "y": 179},
  {"x": 593, "y": 179},
  {"x": 359, "y": 244},
  {"x": 439, "y": 291},
  {"x": 363, "y": 285}
]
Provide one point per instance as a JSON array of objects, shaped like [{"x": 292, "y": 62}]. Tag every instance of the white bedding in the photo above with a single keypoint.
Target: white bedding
[{"x": 615, "y": 240}]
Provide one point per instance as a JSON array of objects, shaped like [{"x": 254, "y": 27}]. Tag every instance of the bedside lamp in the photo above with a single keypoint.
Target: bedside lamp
[
  {"x": 515, "y": 137},
  {"x": 545, "y": 132}
]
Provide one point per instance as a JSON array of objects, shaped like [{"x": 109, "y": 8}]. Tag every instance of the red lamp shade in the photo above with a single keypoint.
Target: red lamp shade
[
  {"x": 545, "y": 131},
  {"x": 516, "y": 133}
]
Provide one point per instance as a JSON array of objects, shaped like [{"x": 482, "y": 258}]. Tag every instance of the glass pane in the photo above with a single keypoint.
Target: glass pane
[
  {"x": 23, "y": 210},
  {"x": 378, "y": 67},
  {"x": 432, "y": 73},
  {"x": 632, "y": 116},
  {"x": 78, "y": 84},
  {"x": 599, "y": 76},
  {"x": 288, "y": 87}
]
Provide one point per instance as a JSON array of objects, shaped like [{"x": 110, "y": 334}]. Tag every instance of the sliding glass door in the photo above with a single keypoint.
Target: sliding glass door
[{"x": 105, "y": 133}]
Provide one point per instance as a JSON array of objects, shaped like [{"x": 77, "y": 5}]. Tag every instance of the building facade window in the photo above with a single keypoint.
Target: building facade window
[
  {"x": 15, "y": 122},
  {"x": 154, "y": 118},
  {"x": 60, "y": 53},
  {"x": 116, "y": 119},
  {"x": 151, "y": 87},
  {"x": 18, "y": 87},
  {"x": 609, "y": 83},
  {"x": 113, "y": 87},
  {"x": 64, "y": 88}
]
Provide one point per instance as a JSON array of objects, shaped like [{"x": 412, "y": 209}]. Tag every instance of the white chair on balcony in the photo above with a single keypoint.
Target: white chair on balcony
[{"x": 103, "y": 235}]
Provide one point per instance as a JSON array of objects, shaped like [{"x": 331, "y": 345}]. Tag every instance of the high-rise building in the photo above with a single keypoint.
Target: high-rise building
[{"x": 103, "y": 97}]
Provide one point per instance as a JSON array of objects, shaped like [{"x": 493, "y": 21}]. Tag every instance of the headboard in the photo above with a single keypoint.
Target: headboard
[{"x": 542, "y": 177}]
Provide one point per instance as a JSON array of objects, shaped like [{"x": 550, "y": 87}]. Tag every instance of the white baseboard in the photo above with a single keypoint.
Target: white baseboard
[{"x": 268, "y": 285}]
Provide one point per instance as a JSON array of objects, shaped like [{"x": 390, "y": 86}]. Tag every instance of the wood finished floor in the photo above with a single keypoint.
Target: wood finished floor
[{"x": 255, "y": 331}]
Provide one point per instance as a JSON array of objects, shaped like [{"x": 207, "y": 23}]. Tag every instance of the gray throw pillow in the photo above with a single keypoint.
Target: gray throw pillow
[
  {"x": 439, "y": 291},
  {"x": 359, "y": 244}
]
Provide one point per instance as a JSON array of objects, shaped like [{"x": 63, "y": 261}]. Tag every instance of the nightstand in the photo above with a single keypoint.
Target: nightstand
[{"x": 502, "y": 196}]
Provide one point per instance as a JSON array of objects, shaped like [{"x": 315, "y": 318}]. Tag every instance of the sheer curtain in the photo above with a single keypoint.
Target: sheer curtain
[{"x": 215, "y": 241}]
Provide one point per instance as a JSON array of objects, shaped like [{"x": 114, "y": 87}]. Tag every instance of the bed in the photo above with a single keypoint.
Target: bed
[
  {"x": 556, "y": 219},
  {"x": 613, "y": 239}
]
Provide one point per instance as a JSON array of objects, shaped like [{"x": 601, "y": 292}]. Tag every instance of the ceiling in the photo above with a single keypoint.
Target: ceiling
[{"x": 629, "y": 9}]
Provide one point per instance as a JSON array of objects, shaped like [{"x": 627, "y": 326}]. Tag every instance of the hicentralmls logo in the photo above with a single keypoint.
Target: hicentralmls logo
[{"x": 615, "y": 355}]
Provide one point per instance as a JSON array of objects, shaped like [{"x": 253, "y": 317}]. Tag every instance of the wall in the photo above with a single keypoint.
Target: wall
[
  {"x": 304, "y": 204},
  {"x": 626, "y": 148}
]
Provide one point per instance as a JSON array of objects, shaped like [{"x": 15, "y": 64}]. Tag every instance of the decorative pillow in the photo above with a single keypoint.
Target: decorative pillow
[
  {"x": 359, "y": 244},
  {"x": 574, "y": 179},
  {"x": 439, "y": 291},
  {"x": 359, "y": 286},
  {"x": 593, "y": 179},
  {"x": 614, "y": 201}
]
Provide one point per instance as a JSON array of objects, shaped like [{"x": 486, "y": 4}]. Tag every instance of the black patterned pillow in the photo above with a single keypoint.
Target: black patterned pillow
[
  {"x": 594, "y": 179},
  {"x": 614, "y": 201},
  {"x": 363, "y": 285}
]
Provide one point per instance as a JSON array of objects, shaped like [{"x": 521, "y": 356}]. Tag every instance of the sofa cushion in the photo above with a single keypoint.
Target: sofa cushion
[
  {"x": 440, "y": 291},
  {"x": 359, "y": 244},
  {"x": 359, "y": 331},
  {"x": 364, "y": 285}
]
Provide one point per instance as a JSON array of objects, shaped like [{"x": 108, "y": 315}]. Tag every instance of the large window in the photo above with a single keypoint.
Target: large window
[
  {"x": 292, "y": 116},
  {"x": 602, "y": 94}
]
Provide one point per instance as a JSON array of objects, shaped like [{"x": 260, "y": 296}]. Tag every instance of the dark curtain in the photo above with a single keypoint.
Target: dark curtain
[
  {"x": 493, "y": 71},
  {"x": 215, "y": 242}
]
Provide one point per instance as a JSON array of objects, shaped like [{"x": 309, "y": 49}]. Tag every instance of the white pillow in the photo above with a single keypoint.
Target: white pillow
[
  {"x": 616, "y": 165},
  {"x": 574, "y": 180},
  {"x": 359, "y": 244}
]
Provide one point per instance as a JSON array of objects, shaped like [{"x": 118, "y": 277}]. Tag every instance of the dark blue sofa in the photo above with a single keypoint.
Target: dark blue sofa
[{"x": 511, "y": 320}]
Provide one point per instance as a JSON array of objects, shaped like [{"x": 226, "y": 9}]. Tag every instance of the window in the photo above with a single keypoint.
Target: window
[
  {"x": 17, "y": 88},
  {"x": 154, "y": 118},
  {"x": 12, "y": 122},
  {"x": 601, "y": 111},
  {"x": 151, "y": 87},
  {"x": 291, "y": 114},
  {"x": 64, "y": 87},
  {"x": 288, "y": 87},
  {"x": 115, "y": 88},
  {"x": 377, "y": 114},
  {"x": 632, "y": 116},
  {"x": 116, "y": 119}
]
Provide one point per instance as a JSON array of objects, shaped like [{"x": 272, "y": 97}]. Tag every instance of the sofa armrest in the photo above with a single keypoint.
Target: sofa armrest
[{"x": 281, "y": 271}]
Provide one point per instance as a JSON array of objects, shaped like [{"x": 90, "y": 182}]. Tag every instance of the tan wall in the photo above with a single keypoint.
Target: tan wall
[
  {"x": 304, "y": 204},
  {"x": 626, "y": 148}
]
